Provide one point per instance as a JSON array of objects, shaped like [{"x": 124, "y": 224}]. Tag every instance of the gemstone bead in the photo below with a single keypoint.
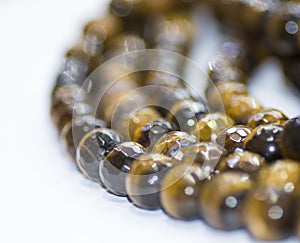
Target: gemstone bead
[
  {"x": 143, "y": 183},
  {"x": 264, "y": 140},
  {"x": 93, "y": 148},
  {"x": 116, "y": 166},
  {"x": 290, "y": 139},
  {"x": 222, "y": 198},
  {"x": 266, "y": 117},
  {"x": 232, "y": 138}
]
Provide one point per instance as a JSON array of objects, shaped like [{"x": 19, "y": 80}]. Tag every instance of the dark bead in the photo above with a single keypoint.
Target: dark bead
[
  {"x": 93, "y": 148},
  {"x": 222, "y": 198},
  {"x": 264, "y": 140},
  {"x": 149, "y": 134},
  {"x": 233, "y": 138},
  {"x": 290, "y": 139},
  {"x": 172, "y": 142},
  {"x": 116, "y": 166},
  {"x": 143, "y": 183},
  {"x": 266, "y": 117}
]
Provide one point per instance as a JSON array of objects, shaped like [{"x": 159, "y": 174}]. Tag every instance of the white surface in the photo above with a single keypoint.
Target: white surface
[{"x": 43, "y": 197}]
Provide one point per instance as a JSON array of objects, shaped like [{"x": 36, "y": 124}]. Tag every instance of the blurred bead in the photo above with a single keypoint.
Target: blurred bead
[
  {"x": 116, "y": 166},
  {"x": 266, "y": 117},
  {"x": 181, "y": 187},
  {"x": 172, "y": 142},
  {"x": 269, "y": 212},
  {"x": 93, "y": 148},
  {"x": 264, "y": 140},
  {"x": 143, "y": 183},
  {"x": 222, "y": 199},
  {"x": 210, "y": 125},
  {"x": 290, "y": 139},
  {"x": 232, "y": 138},
  {"x": 167, "y": 80},
  {"x": 292, "y": 70},
  {"x": 149, "y": 134}
]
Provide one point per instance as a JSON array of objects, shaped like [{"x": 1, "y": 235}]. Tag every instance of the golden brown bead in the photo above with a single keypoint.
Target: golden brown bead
[{"x": 266, "y": 117}]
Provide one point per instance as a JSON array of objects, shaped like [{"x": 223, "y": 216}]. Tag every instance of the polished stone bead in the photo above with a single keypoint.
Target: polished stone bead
[
  {"x": 93, "y": 148},
  {"x": 270, "y": 209},
  {"x": 172, "y": 142},
  {"x": 264, "y": 140},
  {"x": 116, "y": 166},
  {"x": 290, "y": 139},
  {"x": 222, "y": 198},
  {"x": 266, "y": 117},
  {"x": 149, "y": 134},
  {"x": 180, "y": 191},
  {"x": 232, "y": 138},
  {"x": 143, "y": 183},
  {"x": 210, "y": 125}
]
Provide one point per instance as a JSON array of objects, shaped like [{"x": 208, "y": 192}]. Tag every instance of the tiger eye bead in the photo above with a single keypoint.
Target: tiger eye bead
[
  {"x": 290, "y": 139},
  {"x": 181, "y": 188},
  {"x": 93, "y": 148},
  {"x": 232, "y": 138},
  {"x": 116, "y": 166},
  {"x": 266, "y": 117},
  {"x": 210, "y": 125},
  {"x": 170, "y": 143},
  {"x": 270, "y": 209},
  {"x": 143, "y": 183},
  {"x": 264, "y": 140},
  {"x": 222, "y": 198}
]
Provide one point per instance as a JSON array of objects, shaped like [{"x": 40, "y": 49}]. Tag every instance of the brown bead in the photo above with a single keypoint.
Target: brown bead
[
  {"x": 266, "y": 117},
  {"x": 143, "y": 183},
  {"x": 269, "y": 212},
  {"x": 222, "y": 198},
  {"x": 232, "y": 138},
  {"x": 172, "y": 142},
  {"x": 210, "y": 125}
]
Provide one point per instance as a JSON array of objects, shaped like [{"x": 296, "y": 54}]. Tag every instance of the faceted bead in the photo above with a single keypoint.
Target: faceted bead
[
  {"x": 210, "y": 125},
  {"x": 222, "y": 198},
  {"x": 181, "y": 187},
  {"x": 172, "y": 142},
  {"x": 270, "y": 209},
  {"x": 232, "y": 138},
  {"x": 245, "y": 161},
  {"x": 264, "y": 140},
  {"x": 93, "y": 148},
  {"x": 149, "y": 134},
  {"x": 266, "y": 117},
  {"x": 290, "y": 139},
  {"x": 116, "y": 166},
  {"x": 143, "y": 183}
]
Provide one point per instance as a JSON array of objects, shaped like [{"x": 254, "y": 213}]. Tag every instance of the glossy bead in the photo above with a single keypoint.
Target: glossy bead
[
  {"x": 182, "y": 185},
  {"x": 264, "y": 140},
  {"x": 210, "y": 125},
  {"x": 172, "y": 142},
  {"x": 143, "y": 183},
  {"x": 93, "y": 148},
  {"x": 290, "y": 139},
  {"x": 270, "y": 209},
  {"x": 222, "y": 198},
  {"x": 266, "y": 117},
  {"x": 232, "y": 138},
  {"x": 149, "y": 134},
  {"x": 116, "y": 166},
  {"x": 245, "y": 161}
]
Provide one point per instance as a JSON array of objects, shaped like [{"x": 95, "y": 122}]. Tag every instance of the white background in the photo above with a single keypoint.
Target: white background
[{"x": 42, "y": 196}]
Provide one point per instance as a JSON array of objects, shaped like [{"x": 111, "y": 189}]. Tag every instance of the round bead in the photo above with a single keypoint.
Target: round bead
[
  {"x": 222, "y": 198},
  {"x": 93, "y": 148},
  {"x": 264, "y": 140},
  {"x": 143, "y": 183},
  {"x": 232, "y": 138},
  {"x": 172, "y": 142},
  {"x": 290, "y": 139},
  {"x": 266, "y": 117},
  {"x": 116, "y": 166}
]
